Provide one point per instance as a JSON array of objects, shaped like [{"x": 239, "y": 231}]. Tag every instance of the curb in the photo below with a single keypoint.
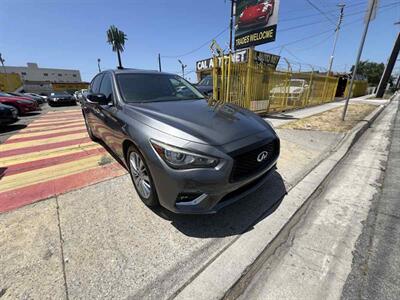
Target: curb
[{"x": 230, "y": 272}]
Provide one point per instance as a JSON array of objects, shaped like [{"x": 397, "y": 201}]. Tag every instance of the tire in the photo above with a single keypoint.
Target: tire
[
  {"x": 89, "y": 130},
  {"x": 19, "y": 112},
  {"x": 141, "y": 177}
]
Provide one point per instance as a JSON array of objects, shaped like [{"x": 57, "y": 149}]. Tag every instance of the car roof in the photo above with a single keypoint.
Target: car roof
[{"x": 137, "y": 71}]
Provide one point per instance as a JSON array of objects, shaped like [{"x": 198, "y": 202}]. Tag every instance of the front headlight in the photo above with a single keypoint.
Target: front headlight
[{"x": 181, "y": 159}]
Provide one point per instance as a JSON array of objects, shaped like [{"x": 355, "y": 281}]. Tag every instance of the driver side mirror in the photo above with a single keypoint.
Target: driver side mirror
[{"x": 100, "y": 99}]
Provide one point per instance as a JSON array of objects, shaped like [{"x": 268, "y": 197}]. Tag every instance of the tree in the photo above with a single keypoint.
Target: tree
[
  {"x": 371, "y": 70},
  {"x": 116, "y": 38}
]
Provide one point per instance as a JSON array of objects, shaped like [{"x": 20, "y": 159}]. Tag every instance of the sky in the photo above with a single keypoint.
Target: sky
[{"x": 72, "y": 34}]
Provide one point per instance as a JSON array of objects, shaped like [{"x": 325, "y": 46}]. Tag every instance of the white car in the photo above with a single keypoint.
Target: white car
[{"x": 294, "y": 91}]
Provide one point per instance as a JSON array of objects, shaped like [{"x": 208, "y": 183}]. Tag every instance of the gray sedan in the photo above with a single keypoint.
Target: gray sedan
[{"x": 182, "y": 152}]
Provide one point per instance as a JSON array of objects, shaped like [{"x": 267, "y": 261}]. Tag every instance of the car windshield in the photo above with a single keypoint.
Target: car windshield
[
  {"x": 5, "y": 94},
  {"x": 298, "y": 83},
  {"x": 155, "y": 87},
  {"x": 206, "y": 81}
]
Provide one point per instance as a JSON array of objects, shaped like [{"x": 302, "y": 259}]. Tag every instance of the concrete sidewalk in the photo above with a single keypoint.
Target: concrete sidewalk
[
  {"x": 102, "y": 242},
  {"x": 316, "y": 260}
]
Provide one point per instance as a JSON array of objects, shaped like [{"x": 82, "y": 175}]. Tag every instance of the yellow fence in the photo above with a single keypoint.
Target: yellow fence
[
  {"x": 10, "y": 82},
  {"x": 359, "y": 88},
  {"x": 262, "y": 89}
]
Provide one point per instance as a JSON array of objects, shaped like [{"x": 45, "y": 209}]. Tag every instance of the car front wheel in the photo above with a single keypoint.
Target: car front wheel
[{"x": 141, "y": 177}]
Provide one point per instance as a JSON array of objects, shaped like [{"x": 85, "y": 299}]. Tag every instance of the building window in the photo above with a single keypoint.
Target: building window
[
  {"x": 59, "y": 75},
  {"x": 45, "y": 74},
  {"x": 73, "y": 75}
]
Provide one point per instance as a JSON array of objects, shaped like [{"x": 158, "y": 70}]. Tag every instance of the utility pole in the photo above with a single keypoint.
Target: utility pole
[
  {"x": 341, "y": 6},
  {"x": 98, "y": 64},
  {"x": 183, "y": 68},
  {"x": 371, "y": 12},
  {"x": 389, "y": 67},
  {"x": 159, "y": 62},
  {"x": 231, "y": 25}
]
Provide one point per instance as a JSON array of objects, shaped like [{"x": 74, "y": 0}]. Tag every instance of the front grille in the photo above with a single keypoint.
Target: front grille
[{"x": 246, "y": 163}]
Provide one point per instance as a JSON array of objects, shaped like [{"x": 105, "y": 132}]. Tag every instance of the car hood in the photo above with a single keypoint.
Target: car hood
[{"x": 197, "y": 121}]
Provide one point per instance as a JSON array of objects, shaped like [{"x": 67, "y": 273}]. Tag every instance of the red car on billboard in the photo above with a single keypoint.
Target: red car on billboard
[
  {"x": 255, "y": 14},
  {"x": 22, "y": 105}
]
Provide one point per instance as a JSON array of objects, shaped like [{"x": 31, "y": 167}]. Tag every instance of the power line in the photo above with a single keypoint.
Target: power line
[
  {"x": 198, "y": 48},
  {"x": 330, "y": 30},
  {"x": 281, "y": 30},
  {"x": 313, "y": 15},
  {"x": 320, "y": 11}
]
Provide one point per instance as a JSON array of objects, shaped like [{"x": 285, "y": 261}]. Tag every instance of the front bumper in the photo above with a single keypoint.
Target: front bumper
[{"x": 212, "y": 186}]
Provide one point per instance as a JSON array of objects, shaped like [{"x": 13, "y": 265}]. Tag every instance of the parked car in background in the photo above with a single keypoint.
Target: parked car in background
[
  {"x": 206, "y": 85},
  {"x": 79, "y": 95},
  {"x": 61, "y": 98},
  {"x": 255, "y": 14},
  {"x": 8, "y": 114},
  {"x": 37, "y": 97},
  {"x": 182, "y": 152},
  {"x": 21, "y": 95},
  {"x": 295, "y": 91},
  {"x": 44, "y": 96},
  {"x": 23, "y": 105}
]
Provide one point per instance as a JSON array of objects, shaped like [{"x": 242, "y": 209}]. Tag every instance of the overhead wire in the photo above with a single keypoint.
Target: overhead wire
[{"x": 321, "y": 11}]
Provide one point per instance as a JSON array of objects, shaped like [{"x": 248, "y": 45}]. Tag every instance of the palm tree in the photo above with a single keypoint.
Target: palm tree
[{"x": 116, "y": 38}]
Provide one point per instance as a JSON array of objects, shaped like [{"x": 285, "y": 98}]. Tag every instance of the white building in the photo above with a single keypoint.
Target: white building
[{"x": 33, "y": 73}]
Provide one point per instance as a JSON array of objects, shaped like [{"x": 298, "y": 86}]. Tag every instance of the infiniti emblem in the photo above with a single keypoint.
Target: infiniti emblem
[{"x": 262, "y": 156}]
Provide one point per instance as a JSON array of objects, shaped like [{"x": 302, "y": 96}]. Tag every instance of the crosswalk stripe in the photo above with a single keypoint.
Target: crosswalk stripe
[
  {"x": 22, "y": 134},
  {"x": 53, "y": 172},
  {"x": 47, "y": 153},
  {"x": 15, "y": 146}
]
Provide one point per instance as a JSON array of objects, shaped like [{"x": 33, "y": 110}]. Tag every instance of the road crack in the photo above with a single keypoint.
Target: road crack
[{"x": 62, "y": 249}]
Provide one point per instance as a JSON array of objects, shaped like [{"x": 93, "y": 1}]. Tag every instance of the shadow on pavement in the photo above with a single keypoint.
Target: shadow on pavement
[
  {"x": 2, "y": 172},
  {"x": 11, "y": 128},
  {"x": 281, "y": 117},
  {"x": 235, "y": 219},
  {"x": 31, "y": 114}
]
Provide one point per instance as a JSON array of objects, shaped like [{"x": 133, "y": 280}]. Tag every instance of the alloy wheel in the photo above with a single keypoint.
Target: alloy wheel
[{"x": 140, "y": 175}]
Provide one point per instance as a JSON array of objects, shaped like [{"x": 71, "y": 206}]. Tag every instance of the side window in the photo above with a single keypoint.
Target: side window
[
  {"x": 95, "y": 85},
  {"x": 106, "y": 87}
]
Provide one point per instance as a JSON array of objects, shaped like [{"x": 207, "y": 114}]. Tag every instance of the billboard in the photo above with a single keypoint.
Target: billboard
[
  {"x": 255, "y": 22},
  {"x": 241, "y": 56}
]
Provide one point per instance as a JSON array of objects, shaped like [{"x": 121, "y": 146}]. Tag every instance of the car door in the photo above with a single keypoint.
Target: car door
[
  {"x": 112, "y": 133},
  {"x": 90, "y": 109}
]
